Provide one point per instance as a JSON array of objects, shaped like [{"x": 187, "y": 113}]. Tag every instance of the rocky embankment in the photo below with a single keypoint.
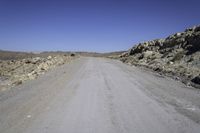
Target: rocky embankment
[
  {"x": 15, "y": 72},
  {"x": 177, "y": 56}
]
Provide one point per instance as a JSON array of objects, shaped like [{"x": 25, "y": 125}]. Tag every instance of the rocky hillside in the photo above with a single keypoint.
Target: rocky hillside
[
  {"x": 15, "y": 72},
  {"x": 177, "y": 56}
]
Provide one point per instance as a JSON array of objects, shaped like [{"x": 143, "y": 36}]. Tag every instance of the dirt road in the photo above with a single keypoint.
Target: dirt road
[{"x": 95, "y": 95}]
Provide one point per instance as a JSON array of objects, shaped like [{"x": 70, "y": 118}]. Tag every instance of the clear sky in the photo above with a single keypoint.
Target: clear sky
[{"x": 91, "y": 25}]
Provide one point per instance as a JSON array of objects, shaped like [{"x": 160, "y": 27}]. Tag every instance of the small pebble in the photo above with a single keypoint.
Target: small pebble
[{"x": 28, "y": 116}]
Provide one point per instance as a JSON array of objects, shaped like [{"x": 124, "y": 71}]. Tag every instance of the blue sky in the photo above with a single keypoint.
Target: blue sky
[{"x": 91, "y": 25}]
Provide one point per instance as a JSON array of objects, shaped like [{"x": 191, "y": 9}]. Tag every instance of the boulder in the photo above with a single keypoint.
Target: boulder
[
  {"x": 196, "y": 80},
  {"x": 18, "y": 82},
  {"x": 146, "y": 54},
  {"x": 36, "y": 60},
  {"x": 72, "y": 54},
  {"x": 197, "y": 28},
  {"x": 49, "y": 57}
]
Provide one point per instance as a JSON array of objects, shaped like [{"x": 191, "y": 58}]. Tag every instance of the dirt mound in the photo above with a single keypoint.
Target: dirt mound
[
  {"x": 177, "y": 55},
  {"x": 15, "y": 72}
]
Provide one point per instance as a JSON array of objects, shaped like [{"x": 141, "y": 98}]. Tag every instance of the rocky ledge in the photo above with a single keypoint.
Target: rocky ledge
[{"x": 177, "y": 56}]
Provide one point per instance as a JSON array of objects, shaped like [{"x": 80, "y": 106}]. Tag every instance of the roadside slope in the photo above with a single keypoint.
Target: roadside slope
[
  {"x": 15, "y": 72},
  {"x": 177, "y": 56}
]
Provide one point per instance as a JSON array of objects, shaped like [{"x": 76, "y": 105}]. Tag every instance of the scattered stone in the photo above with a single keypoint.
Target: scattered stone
[
  {"x": 36, "y": 60},
  {"x": 49, "y": 57},
  {"x": 27, "y": 61},
  {"x": 72, "y": 54},
  {"x": 28, "y": 116},
  {"x": 158, "y": 69},
  {"x": 18, "y": 82}
]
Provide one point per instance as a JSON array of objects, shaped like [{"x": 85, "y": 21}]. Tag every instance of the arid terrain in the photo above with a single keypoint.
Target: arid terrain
[
  {"x": 177, "y": 56},
  {"x": 84, "y": 92}
]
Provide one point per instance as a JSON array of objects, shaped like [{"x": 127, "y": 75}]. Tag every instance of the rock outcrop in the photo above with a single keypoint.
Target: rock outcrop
[
  {"x": 177, "y": 55},
  {"x": 15, "y": 72}
]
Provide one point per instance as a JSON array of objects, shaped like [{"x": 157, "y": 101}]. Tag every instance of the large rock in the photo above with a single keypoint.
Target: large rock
[
  {"x": 147, "y": 54},
  {"x": 196, "y": 80}
]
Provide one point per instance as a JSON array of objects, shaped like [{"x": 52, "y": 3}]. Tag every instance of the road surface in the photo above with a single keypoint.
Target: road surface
[{"x": 96, "y": 95}]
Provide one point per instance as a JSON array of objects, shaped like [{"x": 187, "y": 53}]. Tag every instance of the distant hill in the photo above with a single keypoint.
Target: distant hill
[{"x": 12, "y": 55}]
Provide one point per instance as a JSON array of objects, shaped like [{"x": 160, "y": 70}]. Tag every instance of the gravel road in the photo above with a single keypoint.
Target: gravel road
[{"x": 97, "y": 95}]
